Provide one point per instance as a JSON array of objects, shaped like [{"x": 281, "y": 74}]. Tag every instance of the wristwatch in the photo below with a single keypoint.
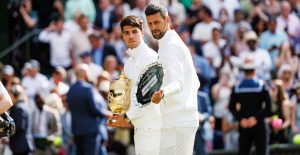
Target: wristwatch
[{"x": 126, "y": 118}]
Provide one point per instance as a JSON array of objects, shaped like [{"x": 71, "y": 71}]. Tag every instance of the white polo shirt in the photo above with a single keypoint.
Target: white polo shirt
[
  {"x": 180, "y": 83},
  {"x": 149, "y": 116}
]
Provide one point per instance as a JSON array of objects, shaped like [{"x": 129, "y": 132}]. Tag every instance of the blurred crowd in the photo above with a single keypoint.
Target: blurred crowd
[{"x": 219, "y": 33}]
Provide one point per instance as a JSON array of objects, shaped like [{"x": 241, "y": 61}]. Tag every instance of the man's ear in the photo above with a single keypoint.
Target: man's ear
[
  {"x": 143, "y": 33},
  {"x": 168, "y": 19}
]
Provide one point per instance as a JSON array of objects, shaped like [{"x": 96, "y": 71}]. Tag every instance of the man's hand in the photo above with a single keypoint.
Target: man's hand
[
  {"x": 157, "y": 96},
  {"x": 244, "y": 123},
  {"x": 118, "y": 121},
  {"x": 248, "y": 122},
  {"x": 252, "y": 122}
]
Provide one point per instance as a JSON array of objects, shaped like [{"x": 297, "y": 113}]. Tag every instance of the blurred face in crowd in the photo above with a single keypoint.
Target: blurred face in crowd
[
  {"x": 33, "y": 71},
  {"x": 103, "y": 4},
  {"x": 39, "y": 101},
  {"x": 59, "y": 25},
  {"x": 251, "y": 44},
  {"x": 286, "y": 75},
  {"x": 238, "y": 16},
  {"x": 110, "y": 63},
  {"x": 141, "y": 4},
  {"x": 132, "y": 36},
  {"x": 83, "y": 23},
  {"x": 285, "y": 9},
  {"x": 27, "y": 5},
  {"x": 95, "y": 42},
  {"x": 272, "y": 26},
  {"x": 216, "y": 34},
  {"x": 158, "y": 25}
]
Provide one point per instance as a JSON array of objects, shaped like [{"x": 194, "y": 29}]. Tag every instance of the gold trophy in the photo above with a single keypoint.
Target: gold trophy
[{"x": 119, "y": 94}]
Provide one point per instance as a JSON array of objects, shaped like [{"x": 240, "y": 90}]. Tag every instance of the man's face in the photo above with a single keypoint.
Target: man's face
[
  {"x": 252, "y": 44},
  {"x": 132, "y": 36},
  {"x": 272, "y": 26},
  {"x": 157, "y": 25}
]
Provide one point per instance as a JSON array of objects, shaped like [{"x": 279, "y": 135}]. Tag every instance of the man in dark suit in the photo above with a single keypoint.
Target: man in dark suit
[
  {"x": 21, "y": 143},
  {"x": 105, "y": 17},
  {"x": 205, "y": 111},
  {"x": 100, "y": 49},
  {"x": 86, "y": 113}
]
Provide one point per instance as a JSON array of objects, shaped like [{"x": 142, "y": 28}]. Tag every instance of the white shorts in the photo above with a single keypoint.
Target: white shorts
[
  {"x": 147, "y": 141},
  {"x": 177, "y": 141}
]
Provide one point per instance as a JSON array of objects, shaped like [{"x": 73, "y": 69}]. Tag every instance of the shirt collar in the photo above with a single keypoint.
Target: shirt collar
[
  {"x": 135, "y": 51},
  {"x": 169, "y": 34}
]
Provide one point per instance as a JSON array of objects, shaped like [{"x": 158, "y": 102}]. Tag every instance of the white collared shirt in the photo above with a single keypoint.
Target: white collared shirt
[
  {"x": 180, "y": 83},
  {"x": 140, "y": 58},
  {"x": 59, "y": 47}
]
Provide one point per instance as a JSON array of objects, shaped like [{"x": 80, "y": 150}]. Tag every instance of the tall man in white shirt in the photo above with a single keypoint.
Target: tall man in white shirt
[
  {"x": 59, "y": 41},
  {"x": 178, "y": 95},
  {"x": 147, "y": 119}
]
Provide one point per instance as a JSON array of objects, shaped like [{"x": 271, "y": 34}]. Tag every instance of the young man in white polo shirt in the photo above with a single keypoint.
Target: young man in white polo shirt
[{"x": 145, "y": 119}]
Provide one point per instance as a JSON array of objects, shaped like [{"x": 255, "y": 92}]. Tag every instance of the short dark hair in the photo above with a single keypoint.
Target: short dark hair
[
  {"x": 133, "y": 21},
  {"x": 154, "y": 8},
  {"x": 207, "y": 11}
]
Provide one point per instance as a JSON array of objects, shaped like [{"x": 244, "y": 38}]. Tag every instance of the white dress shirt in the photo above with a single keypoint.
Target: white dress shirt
[
  {"x": 292, "y": 24},
  {"x": 59, "y": 47},
  {"x": 180, "y": 83},
  {"x": 147, "y": 116}
]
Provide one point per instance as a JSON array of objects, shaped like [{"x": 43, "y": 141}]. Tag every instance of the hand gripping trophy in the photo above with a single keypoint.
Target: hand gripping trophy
[{"x": 150, "y": 81}]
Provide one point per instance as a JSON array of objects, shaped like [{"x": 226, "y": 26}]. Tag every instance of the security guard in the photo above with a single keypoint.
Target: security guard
[{"x": 250, "y": 103}]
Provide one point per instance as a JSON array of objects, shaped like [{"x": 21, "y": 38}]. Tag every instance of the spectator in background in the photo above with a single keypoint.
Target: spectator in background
[
  {"x": 117, "y": 42},
  {"x": 100, "y": 49},
  {"x": 250, "y": 104},
  {"x": 35, "y": 83},
  {"x": 59, "y": 40},
  {"x": 46, "y": 125},
  {"x": 288, "y": 22},
  {"x": 5, "y": 100},
  {"x": 7, "y": 76},
  {"x": 56, "y": 83},
  {"x": 287, "y": 56},
  {"x": 295, "y": 111},
  {"x": 87, "y": 7},
  {"x": 262, "y": 58},
  {"x": 231, "y": 27},
  {"x": 203, "y": 30},
  {"x": 280, "y": 110},
  {"x": 205, "y": 111},
  {"x": 177, "y": 12},
  {"x": 295, "y": 7},
  {"x": 111, "y": 66},
  {"x": 105, "y": 16},
  {"x": 216, "y": 6},
  {"x": 212, "y": 49},
  {"x": 21, "y": 143},
  {"x": 95, "y": 70},
  {"x": 272, "y": 40},
  {"x": 26, "y": 22},
  {"x": 239, "y": 44},
  {"x": 87, "y": 113},
  {"x": 192, "y": 14},
  {"x": 203, "y": 69},
  {"x": 286, "y": 74},
  {"x": 272, "y": 8},
  {"x": 46, "y": 9},
  {"x": 123, "y": 4},
  {"x": 72, "y": 26},
  {"x": 79, "y": 41}
]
